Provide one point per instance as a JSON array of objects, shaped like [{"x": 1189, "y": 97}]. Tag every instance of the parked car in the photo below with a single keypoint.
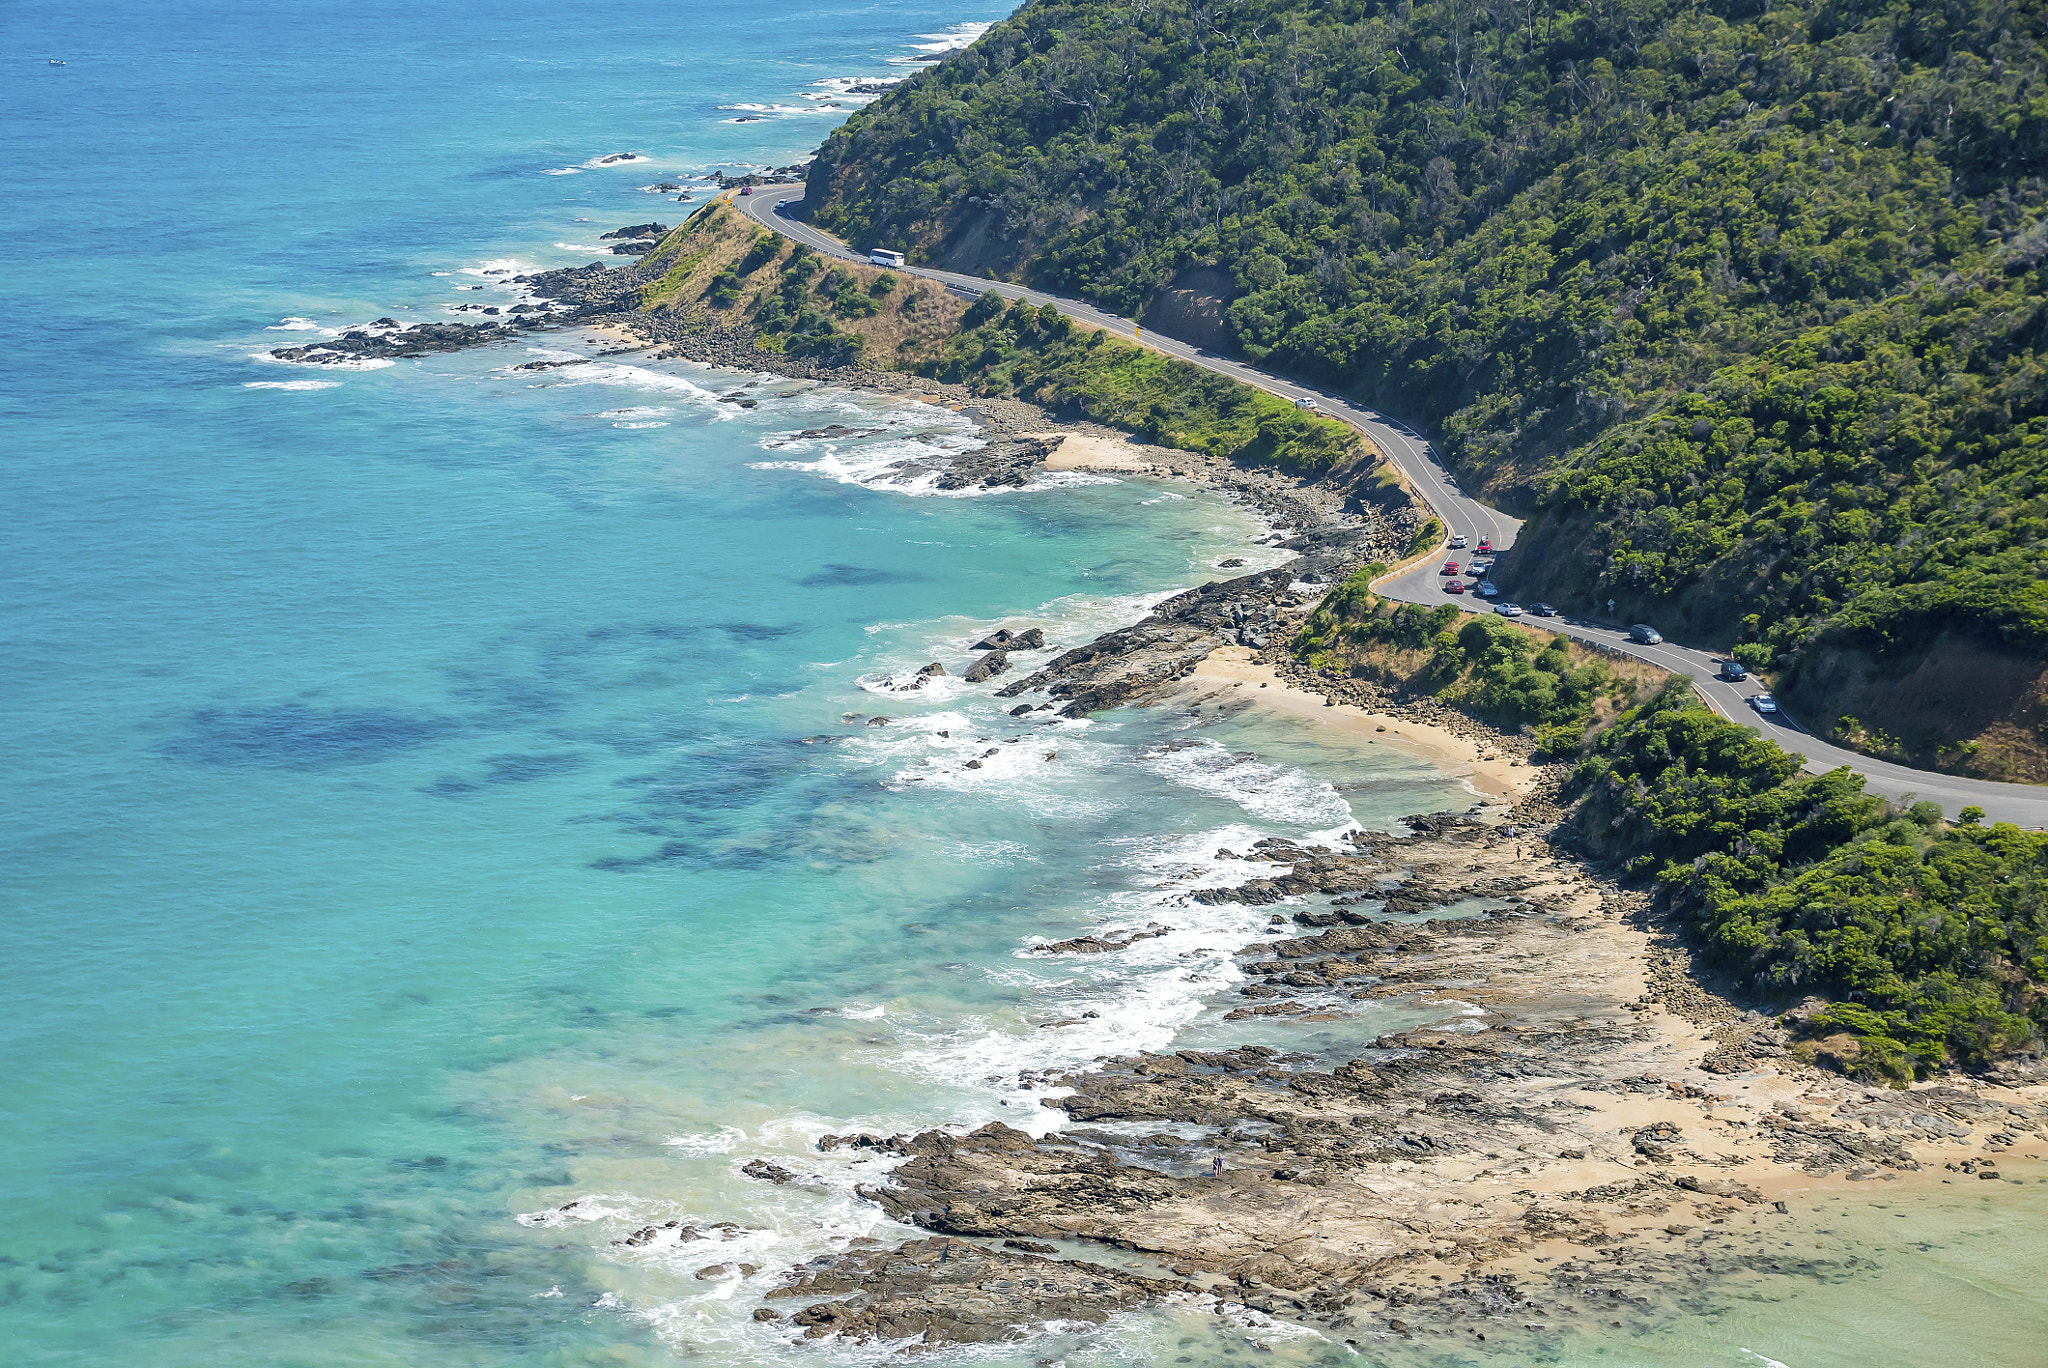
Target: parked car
[
  {"x": 1307, "y": 405},
  {"x": 1455, "y": 587},
  {"x": 1458, "y": 542},
  {"x": 1732, "y": 671},
  {"x": 1450, "y": 568},
  {"x": 1764, "y": 703},
  {"x": 1642, "y": 634},
  {"x": 1485, "y": 545},
  {"x": 1508, "y": 609},
  {"x": 1542, "y": 610},
  {"x": 1485, "y": 589},
  {"x": 1479, "y": 566}
]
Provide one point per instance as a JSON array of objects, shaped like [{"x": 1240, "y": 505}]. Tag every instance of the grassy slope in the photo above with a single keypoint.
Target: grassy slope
[
  {"x": 719, "y": 268},
  {"x": 1745, "y": 305}
]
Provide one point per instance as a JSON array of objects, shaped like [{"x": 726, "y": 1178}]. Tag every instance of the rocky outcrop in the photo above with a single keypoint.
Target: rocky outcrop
[
  {"x": 1399, "y": 1192},
  {"x": 636, "y": 230},
  {"x": 1003, "y": 639},
  {"x": 421, "y": 339},
  {"x": 988, "y": 667},
  {"x": 948, "y": 1291}
]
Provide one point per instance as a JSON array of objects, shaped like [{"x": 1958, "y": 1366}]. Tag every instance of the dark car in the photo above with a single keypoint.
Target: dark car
[
  {"x": 1542, "y": 610},
  {"x": 1732, "y": 671},
  {"x": 1642, "y": 634}
]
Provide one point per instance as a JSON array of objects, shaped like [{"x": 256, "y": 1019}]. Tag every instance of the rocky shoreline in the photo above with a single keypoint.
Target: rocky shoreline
[
  {"x": 1588, "y": 1133},
  {"x": 1616, "y": 1137}
]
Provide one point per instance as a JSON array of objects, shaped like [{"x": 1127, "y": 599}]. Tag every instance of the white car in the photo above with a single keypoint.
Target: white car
[
  {"x": 1508, "y": 609},
  {"x": 1763, "y": 703},
  {"x": 1479, "y": 567},
  {"x": 1458, "y": 542}
]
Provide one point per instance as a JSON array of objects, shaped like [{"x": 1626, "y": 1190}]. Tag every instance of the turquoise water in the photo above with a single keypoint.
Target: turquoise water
[{"x": 439, "y": 793}]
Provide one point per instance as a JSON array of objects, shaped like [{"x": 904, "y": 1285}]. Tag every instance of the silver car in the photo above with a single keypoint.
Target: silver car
[
  {"x": 1509, "y": 609},
  {"x": 1485, "y": 589},
  {"x": 1763, "y": 703}
]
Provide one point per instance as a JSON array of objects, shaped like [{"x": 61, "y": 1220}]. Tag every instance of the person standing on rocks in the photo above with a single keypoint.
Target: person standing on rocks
[{"x": 1216, "y": 1167}]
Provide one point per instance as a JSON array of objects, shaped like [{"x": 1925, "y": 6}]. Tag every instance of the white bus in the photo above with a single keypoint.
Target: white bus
[{"x": 878, "y": 257}]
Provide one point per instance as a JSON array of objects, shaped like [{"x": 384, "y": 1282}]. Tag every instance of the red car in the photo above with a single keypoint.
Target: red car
[
  {"x": 1485, "y": 546},
  {"x": 746, "y": 189},
  {"x": 1450, "y": 568},
  {"x": 1455, "y": 587}
]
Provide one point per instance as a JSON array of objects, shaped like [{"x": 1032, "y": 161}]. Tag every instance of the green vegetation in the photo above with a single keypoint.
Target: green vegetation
[
  {"x": 1039, "y": 354},
  {"x": 1517, "y": 678},
  {"x": 1930, "y": 942},
  {"x": 1931, "y": 939},
  {"x": 796, "y": 316},
  {"x": 1747, "y": 299}
]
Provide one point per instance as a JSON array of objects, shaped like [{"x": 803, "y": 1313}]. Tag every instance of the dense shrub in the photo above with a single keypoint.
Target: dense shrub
[
  {"x": 1751, "y": 293},
  {"x": 1931, "y": 939}
]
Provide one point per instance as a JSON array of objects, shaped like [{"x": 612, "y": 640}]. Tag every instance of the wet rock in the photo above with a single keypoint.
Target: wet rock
[
  {"x": 773, "y": 1173},
  {"x": 1098, "y": 945},
  {"x": 1030, "y": 639},
  {"x": 988, "y": 667},
  {"x": 952, "y": 1291}
]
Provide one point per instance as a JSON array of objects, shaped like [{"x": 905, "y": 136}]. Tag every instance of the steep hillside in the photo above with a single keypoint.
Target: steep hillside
[
  {"x": 719, "y": 271},
  {"x": 1742, "y": 305}
]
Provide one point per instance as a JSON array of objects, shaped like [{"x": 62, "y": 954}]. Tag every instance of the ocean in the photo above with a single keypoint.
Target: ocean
[{"x": 459, "y": 814}]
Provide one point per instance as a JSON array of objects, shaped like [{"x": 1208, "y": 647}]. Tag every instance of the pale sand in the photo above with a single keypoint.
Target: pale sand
[
  {"x": 615, "y": 332},
  {"x": 1078, "y": 452},
  {"x": 1232, "y": 673}
]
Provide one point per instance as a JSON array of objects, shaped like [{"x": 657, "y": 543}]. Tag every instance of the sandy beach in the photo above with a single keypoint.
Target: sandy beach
[
  {"x": 1233, "y": 673},
  {"x": 1080, "y": 451}
]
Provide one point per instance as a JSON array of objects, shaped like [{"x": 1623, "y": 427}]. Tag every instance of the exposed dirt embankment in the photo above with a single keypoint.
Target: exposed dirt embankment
[
  {"x": 1960, "y": 705},
  {"x": 1963, "y": 706}
]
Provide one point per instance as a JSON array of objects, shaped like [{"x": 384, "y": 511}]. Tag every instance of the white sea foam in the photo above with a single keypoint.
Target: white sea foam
[
  {"x": 955, "y": 37},
  {"x": 637, "y": 378},
  {"x": 496, "y": 271},
  {"x": 841, "y": 86},
  {"x": 291, "y": 384},
  {"x": 900, "y": 467},
  {"x": 598, "y": 163},
  {"x": 578, "y": 247},
  {"x": 1141, "y": 997},
  {"x": 634, "y": 427},
  {"x": 356, "y": 364},
  {"x": 603, "y": 1206},
  {"x": 1273, "y": 793},
  {"x": 293, "y": 324},
  {"x": 720, "y": 1143},
  {"x": 759, "y": 109}
]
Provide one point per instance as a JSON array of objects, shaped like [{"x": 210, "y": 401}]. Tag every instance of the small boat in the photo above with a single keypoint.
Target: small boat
[{"x": 55, "y": 62}]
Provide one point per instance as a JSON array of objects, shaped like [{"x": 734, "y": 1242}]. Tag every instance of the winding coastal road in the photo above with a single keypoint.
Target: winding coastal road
[{"x": 2023, "y": 804}]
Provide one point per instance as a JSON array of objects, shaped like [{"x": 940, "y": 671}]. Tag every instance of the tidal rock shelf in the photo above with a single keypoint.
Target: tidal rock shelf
[{"x": 1569, "y": 1146}]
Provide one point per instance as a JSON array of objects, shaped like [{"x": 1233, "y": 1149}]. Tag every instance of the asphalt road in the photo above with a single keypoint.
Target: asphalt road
[{"x": 2024, "y": 804}]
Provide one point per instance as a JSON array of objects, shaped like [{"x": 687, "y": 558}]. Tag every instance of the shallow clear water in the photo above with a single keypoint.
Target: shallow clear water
[{"x": 432, "y": 798}]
